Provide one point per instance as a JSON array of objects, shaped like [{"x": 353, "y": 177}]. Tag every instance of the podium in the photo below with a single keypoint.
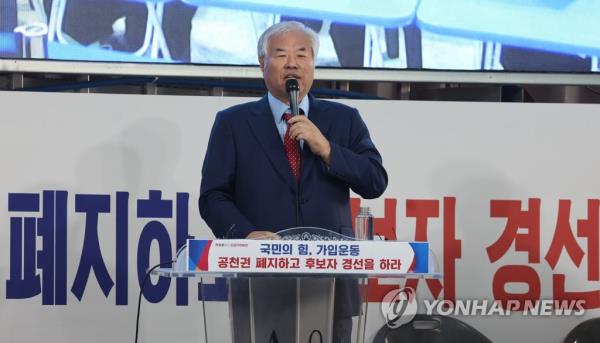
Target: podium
[{"x": 310, "y": 286}]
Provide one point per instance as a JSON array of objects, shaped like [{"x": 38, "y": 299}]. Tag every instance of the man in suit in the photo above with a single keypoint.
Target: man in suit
[{"x": 251, "y": 189}]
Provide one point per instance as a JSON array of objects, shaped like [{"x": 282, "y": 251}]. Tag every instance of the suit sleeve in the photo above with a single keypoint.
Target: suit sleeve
[
  {"x": 359, "y": 164},
  {"x": 216, "y": 202}
]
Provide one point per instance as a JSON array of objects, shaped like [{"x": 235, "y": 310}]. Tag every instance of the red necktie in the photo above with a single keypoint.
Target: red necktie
[{"x": 292, "y": 149}]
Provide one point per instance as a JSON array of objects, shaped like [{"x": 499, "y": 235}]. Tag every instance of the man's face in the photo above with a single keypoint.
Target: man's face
[{"x": 289, "y": 55}]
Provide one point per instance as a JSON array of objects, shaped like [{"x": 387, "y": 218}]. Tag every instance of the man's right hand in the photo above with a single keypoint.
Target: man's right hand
[{"x": 263, "y": 235}]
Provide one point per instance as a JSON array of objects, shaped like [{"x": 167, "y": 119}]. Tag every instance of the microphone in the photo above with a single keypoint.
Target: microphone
[{"x": 292, "y": 88}]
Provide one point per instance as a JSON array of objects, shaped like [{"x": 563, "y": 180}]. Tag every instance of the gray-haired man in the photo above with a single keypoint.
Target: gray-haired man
[{"x": 251, "y": 188}]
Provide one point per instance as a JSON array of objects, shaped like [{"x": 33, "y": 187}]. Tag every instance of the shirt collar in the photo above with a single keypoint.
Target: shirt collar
[{"x": 278, "y": 108}]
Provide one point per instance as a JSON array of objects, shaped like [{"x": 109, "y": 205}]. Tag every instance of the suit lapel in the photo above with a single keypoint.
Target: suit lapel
[{"x": 263, "y": 127}]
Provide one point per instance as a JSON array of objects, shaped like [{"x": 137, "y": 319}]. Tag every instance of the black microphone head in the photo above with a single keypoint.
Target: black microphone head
[{"x": 291, "y": 85}]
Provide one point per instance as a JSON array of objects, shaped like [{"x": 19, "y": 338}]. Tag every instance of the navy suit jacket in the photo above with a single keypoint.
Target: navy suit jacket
[{"x": 247, "y": 183}]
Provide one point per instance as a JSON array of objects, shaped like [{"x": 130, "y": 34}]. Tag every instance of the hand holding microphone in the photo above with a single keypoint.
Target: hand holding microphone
[{"x": 301, "y": 128}]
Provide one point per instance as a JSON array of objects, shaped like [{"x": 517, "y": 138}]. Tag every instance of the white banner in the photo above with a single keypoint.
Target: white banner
[
  {"x": 506, "y": 194},
  {"x": 309, "y": 257}
]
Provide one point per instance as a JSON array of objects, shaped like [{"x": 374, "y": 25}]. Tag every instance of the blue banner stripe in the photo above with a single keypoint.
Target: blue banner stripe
[{"x": 421, "y": 250}]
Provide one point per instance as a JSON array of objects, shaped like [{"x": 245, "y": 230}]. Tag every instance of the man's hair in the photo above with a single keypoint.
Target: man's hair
[{"x": 283, "y": 27}]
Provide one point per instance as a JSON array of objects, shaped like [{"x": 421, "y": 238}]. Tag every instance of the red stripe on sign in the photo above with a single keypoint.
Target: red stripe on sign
[
  {"x": 412, "y": 265},
  {"x": 203, "y": 261}
]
